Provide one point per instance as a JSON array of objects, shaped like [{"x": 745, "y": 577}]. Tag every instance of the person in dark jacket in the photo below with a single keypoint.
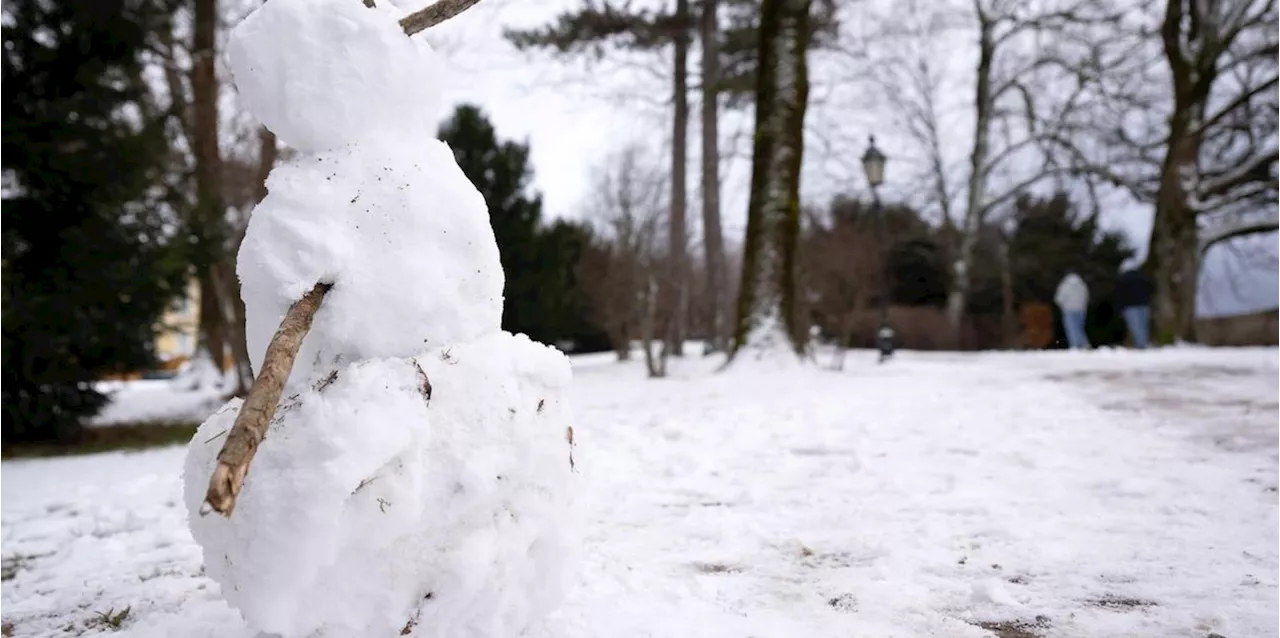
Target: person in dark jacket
[{"x": 1133, "y": 299}]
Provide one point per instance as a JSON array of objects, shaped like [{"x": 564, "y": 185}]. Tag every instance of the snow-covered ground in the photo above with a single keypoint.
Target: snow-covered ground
[
  {"x": 1063, "y": 494},
  {"x": 156, "y": 401}
]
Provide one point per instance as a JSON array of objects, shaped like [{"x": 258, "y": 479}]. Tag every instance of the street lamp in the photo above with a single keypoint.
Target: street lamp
[{"x": 873, "y": 164}]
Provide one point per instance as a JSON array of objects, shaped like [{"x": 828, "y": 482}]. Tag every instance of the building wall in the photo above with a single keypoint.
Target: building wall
[
  {"x": 176, "y": 337},
  {"x": 1256, "y": 329}
]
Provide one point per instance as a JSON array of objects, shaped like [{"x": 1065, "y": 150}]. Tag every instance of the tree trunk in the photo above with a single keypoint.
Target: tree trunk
[
  {"x": 717, "y": 288},
  {"x": 656, "y": 364},
  {"x": 1173, "y": 255},
  {"x": 766, "y": 300},
  {"x": 1174, "y": 262},
  {"x": 961, "y": 274},
  {"x": 1008, "y": 318},
  {"x": 1174, "y": 250},
  {"x": 209, "y": 217},
  {"x": 676, "y": 285}
]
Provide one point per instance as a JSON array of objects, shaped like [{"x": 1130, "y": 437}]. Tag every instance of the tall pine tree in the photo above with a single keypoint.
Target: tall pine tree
[{"x": 86, "y": 270}]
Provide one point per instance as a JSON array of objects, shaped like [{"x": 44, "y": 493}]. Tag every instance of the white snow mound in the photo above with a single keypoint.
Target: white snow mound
[
  {"x": 325, "y": 73},
  {"x": 448, "y": 516},
  {"x": 398, "y": 230}
]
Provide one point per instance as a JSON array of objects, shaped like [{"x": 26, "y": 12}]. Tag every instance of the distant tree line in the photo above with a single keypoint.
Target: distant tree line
[{"x": 125, "y": 176}]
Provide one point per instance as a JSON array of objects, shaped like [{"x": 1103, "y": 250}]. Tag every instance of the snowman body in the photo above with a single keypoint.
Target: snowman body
[{"x": 416, "y": 478}]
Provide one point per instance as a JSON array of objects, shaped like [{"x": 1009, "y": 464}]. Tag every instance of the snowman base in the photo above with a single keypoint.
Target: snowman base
[{"x": 374, "y": 510}]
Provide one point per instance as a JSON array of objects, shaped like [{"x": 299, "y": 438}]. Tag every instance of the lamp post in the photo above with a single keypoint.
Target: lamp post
[{"x": 873, "y": 164}]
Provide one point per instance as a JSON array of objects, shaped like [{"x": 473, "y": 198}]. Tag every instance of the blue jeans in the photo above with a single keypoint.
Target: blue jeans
[
  {"x": 1138, "y": 318},
  {"x": 1073, "y": 325}
]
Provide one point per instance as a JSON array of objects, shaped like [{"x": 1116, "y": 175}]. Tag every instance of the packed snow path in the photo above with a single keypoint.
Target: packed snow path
[{"x": 1098, "y": 494}]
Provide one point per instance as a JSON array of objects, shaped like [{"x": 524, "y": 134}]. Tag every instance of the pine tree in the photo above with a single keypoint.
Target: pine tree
[
  {"x": 87, "y": 271},
  {"x": 542, "y": 295},
  {"x": 729, "y": 32}
]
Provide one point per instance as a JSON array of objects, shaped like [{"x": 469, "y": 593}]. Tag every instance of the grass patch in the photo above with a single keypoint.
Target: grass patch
[
  {"x": 111, "y": 619},
  {"x": 94, "y": 440}
]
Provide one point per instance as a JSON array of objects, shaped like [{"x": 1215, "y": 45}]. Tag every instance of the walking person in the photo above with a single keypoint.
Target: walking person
[
  {"x": 1072, "y": 298},
  {"x": 1133, "y": 298}
]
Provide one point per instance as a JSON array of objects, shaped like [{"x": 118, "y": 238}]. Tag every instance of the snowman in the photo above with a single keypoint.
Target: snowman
[{"x": 414, "y": 476}]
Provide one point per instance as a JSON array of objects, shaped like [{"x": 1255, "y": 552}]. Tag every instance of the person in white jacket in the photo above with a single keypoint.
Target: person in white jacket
[{"x": 1072, "y": 298}]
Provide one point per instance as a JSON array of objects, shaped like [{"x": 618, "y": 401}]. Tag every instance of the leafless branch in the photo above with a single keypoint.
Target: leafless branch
[
  {"x": 442, "y": 10},
  {"x": 258, "y": 409}
]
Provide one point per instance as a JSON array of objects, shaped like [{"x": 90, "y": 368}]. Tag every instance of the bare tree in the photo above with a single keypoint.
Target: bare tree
[
  {"x": 840, "y": 260},
  {"x": 217, "y": 171},
  {"x": 912, "y": 80},
  {"x": 1209, "y": 147},
  {"x": 623, "y": 259},
  {"x": 716, "y": 280},
  {"x": 1037, "y": 65},
  {"x": 674, "y": 287}
]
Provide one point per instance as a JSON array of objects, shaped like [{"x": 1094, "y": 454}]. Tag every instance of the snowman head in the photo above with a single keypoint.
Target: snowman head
[{"x": 322, "y": 74}]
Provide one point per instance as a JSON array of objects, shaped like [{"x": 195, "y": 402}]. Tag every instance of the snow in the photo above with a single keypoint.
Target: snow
[
  {"x": 417, "y": 477},
  {"x": 340, "y": 527},
  {"x": 398, "y": 230},
  {"x": 322, "y": 74},
  {"x": 380, "y": 209},
  {"x": 1108, "y": 493},
  {"x": 155, "y": 401}
]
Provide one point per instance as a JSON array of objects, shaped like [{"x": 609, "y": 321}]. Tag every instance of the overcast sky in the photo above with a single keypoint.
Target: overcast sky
[{"x": 575, "y": 114}]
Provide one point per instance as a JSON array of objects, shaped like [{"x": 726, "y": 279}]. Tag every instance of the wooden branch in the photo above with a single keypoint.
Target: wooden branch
[
  {"x": 442, "y": 10},
  {"x": 256, "y": 413}
]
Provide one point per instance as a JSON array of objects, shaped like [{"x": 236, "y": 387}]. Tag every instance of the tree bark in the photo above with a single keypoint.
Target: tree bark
[
  {"x": 675, "y": 288},
  {"x": 717, "y": 287},
  {"x": 766, "y": 300},
  {"x": 1174, "y": 250},
  {"x": 209, "y": 217},
  {"x": 257, "y": 411}
]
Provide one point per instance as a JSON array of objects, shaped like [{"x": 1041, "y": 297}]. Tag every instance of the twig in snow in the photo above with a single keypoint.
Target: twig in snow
[
  {"x": 326, "y": 381},
  {"x": 424, "y": 383},
  {"x": 258, "y": 409},
  {"x": 363, "y": 484},
  {"x": 568, "y": 436},
  {"x": 424, "y": 19}
]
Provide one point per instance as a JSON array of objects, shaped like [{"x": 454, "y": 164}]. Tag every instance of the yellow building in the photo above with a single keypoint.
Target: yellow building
[{"x": 176, "y": 334}]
